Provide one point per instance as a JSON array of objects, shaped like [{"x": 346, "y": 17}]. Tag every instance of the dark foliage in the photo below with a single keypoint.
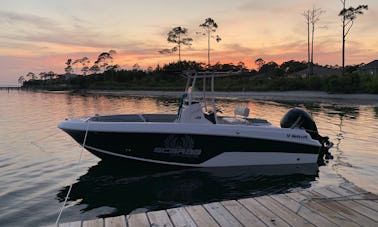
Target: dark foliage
[{"x": 169, "y": 77}]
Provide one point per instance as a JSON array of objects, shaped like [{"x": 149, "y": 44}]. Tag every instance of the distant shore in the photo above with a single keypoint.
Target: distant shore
[{"x": 289, "y": 96}]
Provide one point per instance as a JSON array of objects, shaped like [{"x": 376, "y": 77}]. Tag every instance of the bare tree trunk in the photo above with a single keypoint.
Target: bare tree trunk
[
  {"x": 343, "y": 46},
  {"x": 312, "y": 50},
  {"x": 179, "y": 49},
  {"x": 308, "y": 45},
  {"x": 208, "y": 49}
]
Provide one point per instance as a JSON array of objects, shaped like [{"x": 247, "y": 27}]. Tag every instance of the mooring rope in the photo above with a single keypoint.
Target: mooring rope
[{"x": 78, "y": 163}]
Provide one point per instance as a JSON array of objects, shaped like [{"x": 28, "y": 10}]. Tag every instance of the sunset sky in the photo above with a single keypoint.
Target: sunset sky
[{"x": 40, "y": 35}]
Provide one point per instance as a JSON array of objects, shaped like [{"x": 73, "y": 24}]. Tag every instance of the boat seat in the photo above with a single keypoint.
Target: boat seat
[{"x": 241, "y": 111}]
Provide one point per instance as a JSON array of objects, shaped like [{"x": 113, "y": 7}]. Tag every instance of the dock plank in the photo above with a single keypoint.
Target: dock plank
[
  {"x": 345, "y": 193},
  {"x": 263, "y": 213},
  {"x": 70, "y": 224},
  {"x": 345, "y": 208},
  {"x": 200, "y": 216},
  {"x": 372, "y": 204},
  {"x": 298, "y": 197},
  {"x": 343, "y": 205},
  {"x": 221, "y": 214},
  {"x": 94, "y": 223},
  {"x": 303, "y": 211},
  {"x": 139, "y": 220},
  {"x": 241, "y": 213},
  {"x": 365, "y": 194},
  {"x": 288, "y": 202},
  {"x": 159, "y": 218},
  {"x": 316, "y": 208},
  {"x": 180, "y": 217},
  {"x": 330, "y": 214},
  {"x": 283, "y": 212},
  {"x": 119, "y": 221},
  {"x": 369, "y": 209}
]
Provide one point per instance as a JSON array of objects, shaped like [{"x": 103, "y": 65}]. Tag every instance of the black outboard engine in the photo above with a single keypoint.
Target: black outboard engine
[{"x": 298, "y": 118}]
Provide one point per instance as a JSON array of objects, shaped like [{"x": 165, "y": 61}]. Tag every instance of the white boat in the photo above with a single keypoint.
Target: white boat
[{"x": 198, "y": 136}]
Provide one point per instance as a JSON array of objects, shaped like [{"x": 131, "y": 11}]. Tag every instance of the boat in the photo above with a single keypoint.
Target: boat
[{"x": 199, "y": 135}]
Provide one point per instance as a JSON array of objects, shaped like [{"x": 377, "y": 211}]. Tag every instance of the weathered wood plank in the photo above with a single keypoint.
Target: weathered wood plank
[
  {"x": 364, "y": 209},
  {"x": 360, "y": 208},
  {"x": 372, "y": 204},
  {"x": 344, "y": 192},
  {"x": 200, "y": 216},
  {"x": 365, "y": 194},
  {"x": 159, "y": 218},
  {"x": 94, "y": 223},
  {"x": 303, "y": 211},
  {"x": 316, "y": 208},
  {"x": 221, "y": 214},
  {"x": 241, "y": 213},
  {"x": 298, "y": 197},
  {"x": 119, "y": 221},
  {"x": 325, "y": 211},
  {"x": 345, "y": 210},
  {"x": 71, "y": 224},
  {"x": 287, "y": 202},
  {"x": 138, "y": 220},
  {"x": 365, "y": 198},
  {"x": 262, "y": 212},
  {"x": 283, "y": 212},
  {"x": 180, "y": 217}
]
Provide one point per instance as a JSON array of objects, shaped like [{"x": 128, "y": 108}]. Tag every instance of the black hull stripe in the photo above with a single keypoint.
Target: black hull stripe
[{"x": 190, "y": 149}]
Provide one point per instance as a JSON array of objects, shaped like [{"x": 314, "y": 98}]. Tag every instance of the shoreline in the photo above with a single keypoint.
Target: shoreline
[{"x": 289, "y": 96}]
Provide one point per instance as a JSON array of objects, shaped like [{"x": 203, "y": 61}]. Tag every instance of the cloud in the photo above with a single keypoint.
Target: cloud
[
  {"x": 15, "y": 19},
  {"x": 276, "y": 8},
  {"x": 37, "y": 30},
  {"x": 239, "y": 48}
]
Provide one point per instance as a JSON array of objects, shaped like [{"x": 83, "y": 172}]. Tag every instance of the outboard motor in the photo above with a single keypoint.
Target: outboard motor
[{"x": 298, "y": 118}]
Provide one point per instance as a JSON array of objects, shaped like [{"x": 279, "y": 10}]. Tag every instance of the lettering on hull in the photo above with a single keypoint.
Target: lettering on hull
[
  {"x": 294, "y": 136},
  {"x": 180, "y": 146}
]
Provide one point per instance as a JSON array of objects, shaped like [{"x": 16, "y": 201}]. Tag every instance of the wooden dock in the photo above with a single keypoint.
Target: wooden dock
[{"x": 345, "y": 205}]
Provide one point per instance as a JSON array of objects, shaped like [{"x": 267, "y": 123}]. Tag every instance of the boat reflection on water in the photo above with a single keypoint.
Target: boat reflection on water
[{"x": 136, "y": 189}]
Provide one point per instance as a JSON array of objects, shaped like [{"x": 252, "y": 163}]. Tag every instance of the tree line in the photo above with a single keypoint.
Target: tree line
[{"x": 268, "y": 76}]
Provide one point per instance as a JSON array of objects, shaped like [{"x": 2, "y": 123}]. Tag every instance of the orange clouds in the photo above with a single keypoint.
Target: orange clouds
[{"x": 41, "y": 35}]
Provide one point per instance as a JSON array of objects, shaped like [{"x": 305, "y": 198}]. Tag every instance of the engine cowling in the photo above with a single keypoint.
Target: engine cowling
[{"x": 298, "y": 118}]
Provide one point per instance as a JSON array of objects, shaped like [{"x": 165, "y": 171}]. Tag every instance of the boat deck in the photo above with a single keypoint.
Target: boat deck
[{"x": 345, "y": 205}]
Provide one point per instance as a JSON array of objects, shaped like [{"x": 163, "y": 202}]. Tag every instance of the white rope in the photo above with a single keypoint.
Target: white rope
[{"x": 78, "y": 163}]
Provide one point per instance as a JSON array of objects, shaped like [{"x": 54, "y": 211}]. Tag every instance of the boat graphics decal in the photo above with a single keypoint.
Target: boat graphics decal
[{"x": 180, "y": 146}]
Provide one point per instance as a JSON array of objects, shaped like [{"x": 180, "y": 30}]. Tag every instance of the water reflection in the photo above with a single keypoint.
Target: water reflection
[
  {"x": 376, "y": 112},
  {"x": 129, "y": 188},
  {"x": 31, "y": 180},
  {"x": 342, "y": 111}
]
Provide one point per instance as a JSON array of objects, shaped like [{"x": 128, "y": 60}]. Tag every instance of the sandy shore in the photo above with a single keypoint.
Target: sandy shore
[{"x": 289, "y": 96}]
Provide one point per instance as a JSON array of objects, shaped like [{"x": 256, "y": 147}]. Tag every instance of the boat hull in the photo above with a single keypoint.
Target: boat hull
[{"x": 195, "y": 150}]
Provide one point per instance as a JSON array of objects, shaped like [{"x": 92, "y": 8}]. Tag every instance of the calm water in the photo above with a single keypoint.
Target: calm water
[{"x": 38, "y": 162}]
